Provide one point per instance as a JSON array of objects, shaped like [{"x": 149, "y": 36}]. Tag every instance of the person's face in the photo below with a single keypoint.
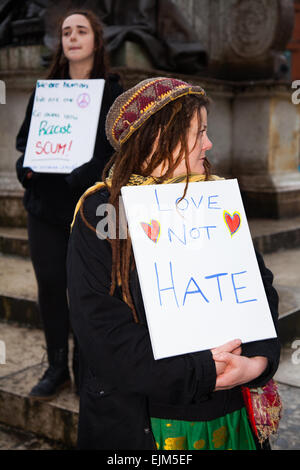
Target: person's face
[
  {"x": 78, "y": 39},
  {"x": 198, "y": 144}
]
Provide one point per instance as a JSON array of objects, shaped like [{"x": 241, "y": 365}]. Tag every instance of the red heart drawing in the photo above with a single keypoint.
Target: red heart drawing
[
  {"x": 233, "y": 222},
  {"x": 152, "y": 230}
]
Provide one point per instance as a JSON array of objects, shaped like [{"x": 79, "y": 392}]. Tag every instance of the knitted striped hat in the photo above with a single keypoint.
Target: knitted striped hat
[{"x": 133, "y": 107}]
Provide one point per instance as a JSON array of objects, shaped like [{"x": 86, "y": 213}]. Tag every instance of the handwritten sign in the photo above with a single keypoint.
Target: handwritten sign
[
  {"x": 199, "y": 275},
  {"x": 63, "y": 124}
]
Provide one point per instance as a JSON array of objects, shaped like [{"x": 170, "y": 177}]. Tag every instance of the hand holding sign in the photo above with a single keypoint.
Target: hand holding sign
[
  {"x": 233, "y": 347},
  {"x": 239, "y": 369}
]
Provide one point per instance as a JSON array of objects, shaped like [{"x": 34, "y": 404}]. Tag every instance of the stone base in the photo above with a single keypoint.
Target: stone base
[
  {"x": 56, "y": 419},
  {"x": 132, "y": 55},
  {"x": 272, "y": 196},
  {"x": 21, "y": 57},
  {"x": 288, "y": 372},
  {"x": 12, "y": 211},
  {"x": 274, "y": 205}
]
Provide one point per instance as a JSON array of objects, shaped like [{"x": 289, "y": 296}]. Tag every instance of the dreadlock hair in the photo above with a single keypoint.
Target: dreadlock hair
[
  {"x": 59, "y": 68},
  {"x": 166, "y": 128}
]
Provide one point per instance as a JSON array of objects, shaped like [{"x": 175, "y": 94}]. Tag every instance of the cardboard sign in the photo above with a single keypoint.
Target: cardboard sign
[
  {"x": 197, "y": 267},
  {"x": 63, "y": 124}
]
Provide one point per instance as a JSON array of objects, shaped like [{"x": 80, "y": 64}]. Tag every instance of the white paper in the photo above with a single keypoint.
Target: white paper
[
  {"x": 199, "y": 275},
  {"x": 63, "y": 124}
]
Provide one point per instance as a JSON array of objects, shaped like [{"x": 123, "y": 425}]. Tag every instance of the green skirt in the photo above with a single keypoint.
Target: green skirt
[{"x": 230, "y": 432}]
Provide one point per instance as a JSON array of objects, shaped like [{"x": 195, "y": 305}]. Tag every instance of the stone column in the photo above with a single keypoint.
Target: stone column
[
  {"x": 266, "y": 132},
  {"x": 19, "y": 70}
]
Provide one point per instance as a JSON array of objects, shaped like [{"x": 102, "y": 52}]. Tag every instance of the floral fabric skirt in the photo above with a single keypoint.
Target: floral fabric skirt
[{"x": 230, "y": 432}]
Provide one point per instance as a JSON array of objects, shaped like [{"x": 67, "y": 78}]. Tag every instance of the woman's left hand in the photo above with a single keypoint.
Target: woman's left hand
[{"x": 239, "y": 369}]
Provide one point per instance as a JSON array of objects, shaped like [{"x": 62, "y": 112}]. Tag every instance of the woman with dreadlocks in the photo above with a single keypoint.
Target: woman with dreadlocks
[{"x": 129, "y": 400}]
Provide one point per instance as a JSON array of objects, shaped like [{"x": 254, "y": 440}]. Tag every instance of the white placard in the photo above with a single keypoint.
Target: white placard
[
  {"x": 63, "y": 125},
  {"x": 197, "y": 267}
]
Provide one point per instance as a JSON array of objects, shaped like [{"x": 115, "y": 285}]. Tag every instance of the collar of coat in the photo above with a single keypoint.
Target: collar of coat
[{"x": 138, "y": 180}]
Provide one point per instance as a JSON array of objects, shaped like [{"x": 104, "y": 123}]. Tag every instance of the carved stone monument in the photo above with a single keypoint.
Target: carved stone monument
[
  {"x": 154, "y": 27},
  {"x": 266, "y": 149},
  {"x": 22, "y": 22},
  {"x": 244, "y": 39},
  {"x": 251, "y": 37},
  {"x": 253, "y": 122}
]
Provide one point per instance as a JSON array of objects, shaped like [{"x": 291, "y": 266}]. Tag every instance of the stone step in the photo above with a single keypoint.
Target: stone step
[
  {"x": 28, "y": 425},
  {"x": 288, "y": 371},
  {"x": 12, "y": 212},
  {"x": 15, "y": 439},
  {"x": 14, "y": 241},
  {"x": 18, "y": 290},
  {"x": 57, "y": 419},
  {"x": 269, "y": 235},
  {"x": 285, "y": 267}
]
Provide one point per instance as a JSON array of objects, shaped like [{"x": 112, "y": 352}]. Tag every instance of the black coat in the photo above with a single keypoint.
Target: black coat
[
  {"x": 121, "y": 383},
  {"x": 52, "y": 197}
]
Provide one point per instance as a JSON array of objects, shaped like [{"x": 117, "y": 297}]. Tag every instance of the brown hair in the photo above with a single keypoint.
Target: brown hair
[
  {"x": 60, "y": 66},
  {"x": 171, "y": 123}
]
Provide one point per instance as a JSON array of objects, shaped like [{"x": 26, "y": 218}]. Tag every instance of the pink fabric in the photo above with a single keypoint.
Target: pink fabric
[{"x": 264, "y": 409}]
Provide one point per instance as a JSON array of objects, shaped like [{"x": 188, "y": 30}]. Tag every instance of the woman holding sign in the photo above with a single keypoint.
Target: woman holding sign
[
  {"x": 128, "y": 399},
  {"x": 50, "y": 199}
]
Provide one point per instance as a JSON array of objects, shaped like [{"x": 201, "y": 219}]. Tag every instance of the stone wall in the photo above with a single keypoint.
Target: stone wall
[{"x": 254, "y": 126}]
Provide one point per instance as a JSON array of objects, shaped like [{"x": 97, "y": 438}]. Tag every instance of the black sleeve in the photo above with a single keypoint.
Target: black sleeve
[
  {"x": 117, "y": 349},
  {"x": 269, "y": 348},
  {"x": 21, "y": 142},
  {"x": 87, "y": 174}
]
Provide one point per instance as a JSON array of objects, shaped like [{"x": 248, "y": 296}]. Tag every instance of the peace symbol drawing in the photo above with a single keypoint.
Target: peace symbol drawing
[{"x": 83, "y": 100}]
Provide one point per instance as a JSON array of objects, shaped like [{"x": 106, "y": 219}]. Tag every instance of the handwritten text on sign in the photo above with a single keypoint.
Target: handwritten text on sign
[
  {"x": 63, "y": 124},
  {"x": 197, "y": 267}
]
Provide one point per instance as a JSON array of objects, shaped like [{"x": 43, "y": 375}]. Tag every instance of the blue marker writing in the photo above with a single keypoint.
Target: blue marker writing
[
  {"x": 218, "y": 281},
  {"x": 172, "y": 288},
  {"x": 184, "y": 204},
  {"x": 239, "y": 288},
  {"x": 199, "y": 203},
  {"x": 183, "y": 241},
  {"x": 211, "y": 204},
  {"x": 158, "y": 204},
  {"x": 197, "y": 291}
]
